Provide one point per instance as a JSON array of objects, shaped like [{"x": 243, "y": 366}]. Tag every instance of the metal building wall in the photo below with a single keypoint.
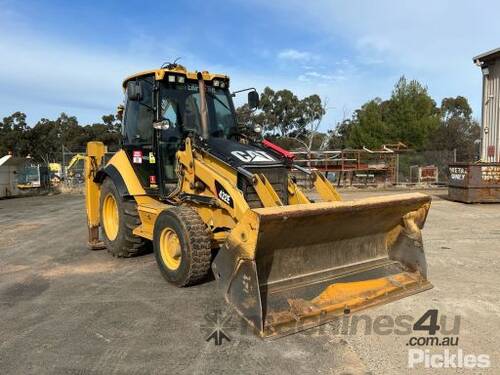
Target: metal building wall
[{"x": 490, "y": 144}]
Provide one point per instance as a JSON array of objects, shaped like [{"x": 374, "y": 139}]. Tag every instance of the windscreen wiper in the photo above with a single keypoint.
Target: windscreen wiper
[{"x": 220, "y": 101}]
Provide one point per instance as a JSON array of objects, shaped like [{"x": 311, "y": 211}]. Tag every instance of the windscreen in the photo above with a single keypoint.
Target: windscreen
[{"x": 180, "y": 104}]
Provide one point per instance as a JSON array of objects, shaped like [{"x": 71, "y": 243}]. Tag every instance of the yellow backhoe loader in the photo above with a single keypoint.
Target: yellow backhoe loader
[{"x": 213, "y": 196}]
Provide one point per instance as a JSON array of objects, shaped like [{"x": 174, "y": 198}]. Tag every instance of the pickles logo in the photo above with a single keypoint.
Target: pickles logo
[
  {"x": 447, "y": 359},
  {"x": 252, "y": 156},
  {"x": 223, "y": 194}
]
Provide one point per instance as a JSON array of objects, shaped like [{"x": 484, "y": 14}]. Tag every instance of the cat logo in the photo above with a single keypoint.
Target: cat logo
[{"x": 253, "y": 156}]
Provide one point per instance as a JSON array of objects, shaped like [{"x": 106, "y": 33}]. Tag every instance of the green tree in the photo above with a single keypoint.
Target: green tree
[
  {"x": 44, "y": 141},
  {"x": 107, "y": 132},
  {"x": 457, "y": 129},
  {"x": 14, "y": 135},
  {"x": 283, "y": 114},
  {"x": 280, "y": 111},
  {"x": 367, "y": 127},
  {"x": 69, "y": 132},
  {"x": 45, "y": 145},
  {"x": 245, "y": 116},
  {"x": 411, "y": 115}
]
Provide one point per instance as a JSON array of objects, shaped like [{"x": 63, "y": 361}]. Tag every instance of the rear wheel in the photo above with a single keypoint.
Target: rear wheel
[
  {"x": 119, "y": 217},
  {"x": 182, "y": 246}
]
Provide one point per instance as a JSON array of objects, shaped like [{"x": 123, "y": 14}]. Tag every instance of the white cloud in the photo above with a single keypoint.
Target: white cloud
[
  {"x": 313, "y": 75},
  {"x": 364, "y": 48},
  {"x": 44, "y": 77},
  {"x": 432, "y": 41},
  {"x": 295, "y": 55}
]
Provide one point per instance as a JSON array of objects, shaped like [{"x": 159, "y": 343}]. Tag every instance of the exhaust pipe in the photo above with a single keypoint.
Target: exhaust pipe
[{"x": 203, "y": 106}]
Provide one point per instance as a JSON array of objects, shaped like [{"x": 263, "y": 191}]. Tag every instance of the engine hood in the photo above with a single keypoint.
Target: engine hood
[{"x": 241, "y": 155}]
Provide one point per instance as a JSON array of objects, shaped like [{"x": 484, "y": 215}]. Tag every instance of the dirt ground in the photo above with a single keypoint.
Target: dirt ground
[{"x": 67, "y": 310}]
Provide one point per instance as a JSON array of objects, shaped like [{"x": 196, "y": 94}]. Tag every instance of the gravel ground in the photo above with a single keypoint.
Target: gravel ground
[{"x": 65, "y": 309}]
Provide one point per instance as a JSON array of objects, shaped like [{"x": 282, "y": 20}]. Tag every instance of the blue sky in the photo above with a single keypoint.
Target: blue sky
[{"x": 71, "y": 56}]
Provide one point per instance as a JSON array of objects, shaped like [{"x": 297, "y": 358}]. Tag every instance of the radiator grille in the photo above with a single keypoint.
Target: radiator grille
[{"x": 278, "y": 177}]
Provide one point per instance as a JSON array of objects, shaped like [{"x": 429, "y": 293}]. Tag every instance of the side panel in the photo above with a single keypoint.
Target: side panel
[
  {"x": 125, "y": 179},
  {"x": 149, "y": 208},
  {"x": 122, "y": 165}
]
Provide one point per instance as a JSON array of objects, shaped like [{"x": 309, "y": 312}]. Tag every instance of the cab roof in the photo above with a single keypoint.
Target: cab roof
[{"x": 178, "y": 70}]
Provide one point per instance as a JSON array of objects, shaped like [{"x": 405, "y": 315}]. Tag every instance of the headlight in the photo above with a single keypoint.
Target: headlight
[
  {"x": 216, "y": 83},
  {"x": 257, "y": 128},
  {"x": 180, "y": 79},
  {"x": 171, "y": 79},
  {"x": 222, "y": 84}
]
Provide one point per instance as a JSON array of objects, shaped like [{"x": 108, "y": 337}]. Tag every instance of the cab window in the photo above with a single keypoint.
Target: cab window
[{"x": 138, "y": 119}]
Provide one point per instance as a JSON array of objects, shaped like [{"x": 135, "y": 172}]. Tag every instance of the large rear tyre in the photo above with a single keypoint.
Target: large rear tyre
[
  {"x": 182, "y": 246},
  {"x": 119, "y": 217}
]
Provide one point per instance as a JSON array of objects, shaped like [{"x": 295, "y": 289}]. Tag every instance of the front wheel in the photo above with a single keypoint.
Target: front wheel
[{"x": 182, "y": 246}]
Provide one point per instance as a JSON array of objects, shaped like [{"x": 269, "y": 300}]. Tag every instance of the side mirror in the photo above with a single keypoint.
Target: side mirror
[
  {"x": 134, "y": 91},
  {"x": 253, "y": 99}
]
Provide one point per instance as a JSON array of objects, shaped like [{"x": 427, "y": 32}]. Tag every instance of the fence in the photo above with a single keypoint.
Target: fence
[
  {"x": 384, "y": 167},
  {"x": 72, "y": 173},
  {"x": 410, "y": 162},
  {"x": 342, "y": 167},
  {"x": 350, "y": 167}
]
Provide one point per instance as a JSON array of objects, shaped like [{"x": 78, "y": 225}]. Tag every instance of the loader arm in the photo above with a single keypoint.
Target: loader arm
[
  {"x": 218, "y": 180},
  {"x": 285, "y": 268}
]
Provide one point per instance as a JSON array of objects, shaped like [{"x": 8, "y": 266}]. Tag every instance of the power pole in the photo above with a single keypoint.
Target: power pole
[
  {"x": 397, "y": 169},
  {"x": 63, "y": 171}
]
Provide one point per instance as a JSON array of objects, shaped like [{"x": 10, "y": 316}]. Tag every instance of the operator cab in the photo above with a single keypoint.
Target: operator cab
[{"x": 164, "y": 106}]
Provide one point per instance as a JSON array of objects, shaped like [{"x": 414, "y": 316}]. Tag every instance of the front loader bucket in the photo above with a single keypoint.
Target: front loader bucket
[{"x": 289, "y": 268}]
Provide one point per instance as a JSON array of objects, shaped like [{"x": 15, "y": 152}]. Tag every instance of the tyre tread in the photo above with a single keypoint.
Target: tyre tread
[{"x": 200, "y": 244}]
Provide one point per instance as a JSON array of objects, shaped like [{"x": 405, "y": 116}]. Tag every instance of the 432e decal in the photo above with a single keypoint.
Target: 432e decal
[{"x": 223, "y": 195}]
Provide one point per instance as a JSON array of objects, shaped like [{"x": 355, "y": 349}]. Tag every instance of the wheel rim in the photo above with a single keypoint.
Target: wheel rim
[
  {"x": 170, "y": 248},
  {"x": 110, "y": 217}
]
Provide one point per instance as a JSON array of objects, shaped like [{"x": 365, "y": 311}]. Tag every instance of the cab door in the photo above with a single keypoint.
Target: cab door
[
  {"x": 168, "y": 141},
  {"x": 138, "y": 132}
]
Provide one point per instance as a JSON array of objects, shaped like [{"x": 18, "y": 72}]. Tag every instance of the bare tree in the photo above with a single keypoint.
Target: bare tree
[
  {"x": 332, "y": 133},
  {"x": 313, "y": 110}
]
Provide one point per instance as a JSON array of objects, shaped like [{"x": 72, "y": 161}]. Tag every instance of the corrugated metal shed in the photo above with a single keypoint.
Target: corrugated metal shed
[{"x": 490, "y": 116}]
